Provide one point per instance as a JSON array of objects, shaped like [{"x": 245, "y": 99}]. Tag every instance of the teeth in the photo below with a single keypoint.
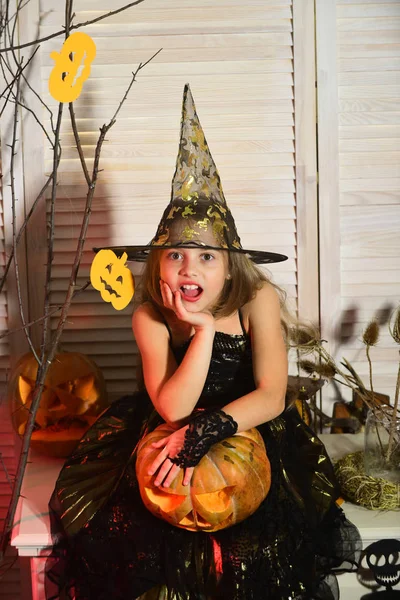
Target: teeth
[{"x": 190, "y": 287}]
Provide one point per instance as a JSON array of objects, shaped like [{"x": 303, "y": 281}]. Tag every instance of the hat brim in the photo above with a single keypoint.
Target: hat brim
[{"x": 141, "y": 253}]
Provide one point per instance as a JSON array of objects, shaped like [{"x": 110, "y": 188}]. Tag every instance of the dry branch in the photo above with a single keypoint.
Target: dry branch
[
  {"x": 49, "y": 348},
  {"x": 77, "y": 26}
]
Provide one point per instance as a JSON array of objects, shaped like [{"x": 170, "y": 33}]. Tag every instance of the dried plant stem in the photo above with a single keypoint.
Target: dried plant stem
[
  {"x": 347, "y": 378},
  {"x": 395, "y": 416},
  {"x": 367, "y": 351}
]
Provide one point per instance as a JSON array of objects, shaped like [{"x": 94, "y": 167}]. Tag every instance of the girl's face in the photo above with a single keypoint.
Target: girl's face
[{"x": 199, "y": 274}]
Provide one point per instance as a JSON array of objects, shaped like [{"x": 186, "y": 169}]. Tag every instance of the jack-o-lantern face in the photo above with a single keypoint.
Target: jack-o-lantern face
[
  {"x": 227, "y": 486},
  {"x": 112, "y": 278},
  {"x": 72, "y": 398}
]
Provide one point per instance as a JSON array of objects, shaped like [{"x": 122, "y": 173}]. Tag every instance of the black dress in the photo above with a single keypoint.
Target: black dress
[{"x": 108, "y": 546}]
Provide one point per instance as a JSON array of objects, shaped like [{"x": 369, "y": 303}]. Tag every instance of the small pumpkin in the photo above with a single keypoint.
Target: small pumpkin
[
  {"x": 74, "y": 394},
  {"x": 228, "y": 484},
  {"x": 112, "y": 278}
]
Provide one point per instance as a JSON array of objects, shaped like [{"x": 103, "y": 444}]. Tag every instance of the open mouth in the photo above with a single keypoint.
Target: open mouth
[{"x": 191, "y": 292}]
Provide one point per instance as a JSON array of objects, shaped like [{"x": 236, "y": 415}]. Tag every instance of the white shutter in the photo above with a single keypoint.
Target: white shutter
[
  {"x": 238, "y": 60},
  {"x": 365, "y": 260}
]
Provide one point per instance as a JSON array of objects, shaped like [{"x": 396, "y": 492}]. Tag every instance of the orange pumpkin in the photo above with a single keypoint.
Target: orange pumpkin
[
  {"x": 227, "y": 486},
  {"x": 73, "y": 396}
]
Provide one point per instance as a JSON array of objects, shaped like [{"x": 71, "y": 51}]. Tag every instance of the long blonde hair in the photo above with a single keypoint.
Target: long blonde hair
[{"x": 246, "y": 280}]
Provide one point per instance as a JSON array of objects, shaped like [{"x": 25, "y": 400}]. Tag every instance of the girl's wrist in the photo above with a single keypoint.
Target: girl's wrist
[{"x": 205, "y": 330}]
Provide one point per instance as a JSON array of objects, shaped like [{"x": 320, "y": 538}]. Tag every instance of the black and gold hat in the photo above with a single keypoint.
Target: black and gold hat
[{"x": 197, "y": 215}]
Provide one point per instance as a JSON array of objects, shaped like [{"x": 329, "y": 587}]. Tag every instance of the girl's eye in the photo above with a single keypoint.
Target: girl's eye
[
  {"x": 174, "y": 255},
  {"x": 208, "y": 257}
]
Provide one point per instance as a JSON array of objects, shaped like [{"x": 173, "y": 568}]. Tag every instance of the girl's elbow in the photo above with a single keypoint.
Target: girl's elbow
[
  {"x": 172, "y": 416},
  {"x": 281, "y": 405},
  {"x": 274, "y": 403}
]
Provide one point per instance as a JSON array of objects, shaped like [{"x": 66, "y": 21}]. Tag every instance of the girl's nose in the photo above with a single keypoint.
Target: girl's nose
[{"x": 188, "y": 267}]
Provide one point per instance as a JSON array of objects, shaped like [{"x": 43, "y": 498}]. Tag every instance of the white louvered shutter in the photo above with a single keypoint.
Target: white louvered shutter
[
  {"x": 238, "y": 61},
  {"x": 367, "y": 221}
]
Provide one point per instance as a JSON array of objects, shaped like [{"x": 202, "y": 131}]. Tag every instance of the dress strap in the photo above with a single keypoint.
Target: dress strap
[{"x": 241, "y": 322}]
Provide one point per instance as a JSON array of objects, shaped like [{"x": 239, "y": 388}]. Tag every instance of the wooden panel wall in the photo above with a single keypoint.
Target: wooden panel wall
[
  {"x": 238, "y": 59},
  {"x": 362, "y": 233}
]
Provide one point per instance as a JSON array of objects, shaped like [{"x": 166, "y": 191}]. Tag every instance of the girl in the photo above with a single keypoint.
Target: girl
[{"x": 211, "y": 334}]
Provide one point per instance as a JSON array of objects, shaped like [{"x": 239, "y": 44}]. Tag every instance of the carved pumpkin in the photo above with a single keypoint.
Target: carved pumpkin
[
  {"x": 228, "y": 484},
  {"x": 74, "y": 395},
  {"x": 112, "y": 278}
]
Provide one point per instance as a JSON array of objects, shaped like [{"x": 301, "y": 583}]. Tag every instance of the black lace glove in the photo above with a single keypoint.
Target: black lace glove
[{"x": 204, "y": 430}]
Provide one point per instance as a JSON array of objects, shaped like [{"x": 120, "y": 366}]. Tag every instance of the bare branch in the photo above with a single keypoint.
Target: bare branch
[
  {"x": 50, "y": 237},
  {"x": 49, "y": 353},
  {"x": 5, "y": 471},
  {"x": 78, "y": 144},
  {"x": 23, "y": 226},
  {"x": 140, "y": 67},
  {"x": 51, "y": 313},
  {"x": 77, "y": 26},
  {"x": 14, "y": 227}
]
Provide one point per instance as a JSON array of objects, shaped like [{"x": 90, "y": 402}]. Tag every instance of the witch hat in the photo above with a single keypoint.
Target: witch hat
[{"x": 197, "y": 215}]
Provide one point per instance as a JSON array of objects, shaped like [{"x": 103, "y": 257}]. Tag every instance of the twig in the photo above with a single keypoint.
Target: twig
[
  {"x": 5, "y": 470},
  {"x": 24, "y": 224},
  {"x": 88, "y": 207},
  {"x": 48, "y": 357},
  {"x": 20, "y": 70},
  {"x": 50, "y": 237},
  {"x": 51, "y": 313},
  {"x": 43, "y": 367},
  {"x": 78, "y": 144},
  {"x": 77, "y": 26},
  {"x": 14, "y": 228}
]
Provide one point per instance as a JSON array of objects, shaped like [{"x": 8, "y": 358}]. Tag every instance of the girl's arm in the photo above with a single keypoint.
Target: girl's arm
[
  {"x": 270, "y": 364},
  {"x": 266, "y": 402},
  {"x": 174, "y": 391}
]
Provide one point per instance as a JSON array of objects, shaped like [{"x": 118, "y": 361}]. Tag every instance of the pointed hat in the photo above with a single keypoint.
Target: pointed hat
[{"x": 197, "y": 215}]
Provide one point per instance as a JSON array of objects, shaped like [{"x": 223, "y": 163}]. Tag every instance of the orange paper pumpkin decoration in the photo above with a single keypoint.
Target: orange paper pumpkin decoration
[
  {"x": 112, "y": 278},
  {"x": 73, "y": 396},
  {"x": 227, "y": 486},
  {"x": 72, "y": 67}
]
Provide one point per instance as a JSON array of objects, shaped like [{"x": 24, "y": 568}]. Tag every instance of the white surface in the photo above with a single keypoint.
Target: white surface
[{"x": 32, "y": 529}]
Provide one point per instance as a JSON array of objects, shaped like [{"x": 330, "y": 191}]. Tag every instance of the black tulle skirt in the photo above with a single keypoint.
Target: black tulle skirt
[{"x": 108, "y": 546}]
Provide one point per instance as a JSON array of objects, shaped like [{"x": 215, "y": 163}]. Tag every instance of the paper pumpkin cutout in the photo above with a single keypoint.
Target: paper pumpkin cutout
[
  {"x": 74, "y": 394},
  {"x": 228, "y": 484},
  {"x": 66, "y": 79},
  {"x": 110, "y": 275}
]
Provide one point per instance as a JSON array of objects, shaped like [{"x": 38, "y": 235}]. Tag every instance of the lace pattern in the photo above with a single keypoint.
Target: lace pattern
[{"x": 205, "y": 430}]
